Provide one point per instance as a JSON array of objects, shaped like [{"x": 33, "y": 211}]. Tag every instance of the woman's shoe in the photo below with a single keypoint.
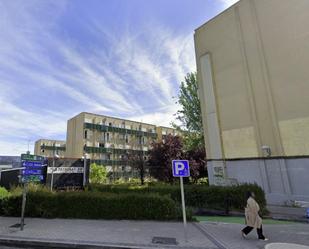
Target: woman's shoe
[
  {"x": 264, "y": 239},
  {"x": 243, "y": 235}
]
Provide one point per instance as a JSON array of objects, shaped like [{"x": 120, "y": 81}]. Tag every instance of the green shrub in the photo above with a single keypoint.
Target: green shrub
[
  {"x": 197, "y": 196},
  {"x": 98, "y": 173},
  {"x": 3, "y": 193},
  {"x": 87, "y": 205}
]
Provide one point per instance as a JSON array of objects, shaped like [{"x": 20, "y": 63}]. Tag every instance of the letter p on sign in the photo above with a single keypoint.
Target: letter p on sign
[{"x": 181, "y": 168}]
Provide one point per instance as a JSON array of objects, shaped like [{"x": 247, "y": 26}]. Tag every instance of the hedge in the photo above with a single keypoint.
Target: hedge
[
  {"x": 197, "y": 196},
  {"x": 87, "y": 205}
]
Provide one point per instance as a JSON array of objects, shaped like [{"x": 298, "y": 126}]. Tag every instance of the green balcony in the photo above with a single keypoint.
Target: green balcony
[
  {"x": 89, "y": 149},
  {"x": 115, "y": 162},
  {"x": 53, "y": 148},
  {"x": 106, "y": 128}
]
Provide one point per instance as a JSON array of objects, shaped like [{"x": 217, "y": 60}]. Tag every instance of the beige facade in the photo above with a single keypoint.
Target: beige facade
[
  {"x": 50, "y": 148},
  {"x": 162, "y": 132},
  {"x": 252, "y": 64},
  {"x": 107, "y": 139}
]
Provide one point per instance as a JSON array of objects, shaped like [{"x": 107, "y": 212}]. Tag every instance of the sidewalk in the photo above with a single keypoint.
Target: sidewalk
[
  {"x": 72, "y": 233},
  {"x": 100, "y": 233},
  {"x": 288, "y": 213},
  {"x": 229, "y": 236}
]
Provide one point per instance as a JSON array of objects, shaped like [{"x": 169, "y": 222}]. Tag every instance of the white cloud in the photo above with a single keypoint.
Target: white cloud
[
  {"x": 163, "y": 117},
  {"x": 136, "y": 79},
  {"x": 228, "y": 3}
]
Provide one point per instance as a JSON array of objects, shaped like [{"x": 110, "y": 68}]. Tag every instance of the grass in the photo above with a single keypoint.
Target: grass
[{"x": 239, "y": 220}]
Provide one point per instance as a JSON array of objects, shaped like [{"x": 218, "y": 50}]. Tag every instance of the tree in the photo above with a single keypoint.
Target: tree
[
  {"x": 197, "y": 163},
  {"x": 161, "y": 156},
  {"x": 98, "y": 173},
  {"x": 137, "y": 161},
  {"x": 190, "y": 115}
]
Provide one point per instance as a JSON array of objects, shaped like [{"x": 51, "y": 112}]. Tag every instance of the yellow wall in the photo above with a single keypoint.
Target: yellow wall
[
  {"x": 49, "y": 152},
  {"x": 259, "y": 56}
]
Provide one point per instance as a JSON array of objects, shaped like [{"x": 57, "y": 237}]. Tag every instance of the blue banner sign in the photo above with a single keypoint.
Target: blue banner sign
[
  {"x": 32, "y": 178},
  {"x": 32, "y": 172},
  {"x": 33, "y": 164}
]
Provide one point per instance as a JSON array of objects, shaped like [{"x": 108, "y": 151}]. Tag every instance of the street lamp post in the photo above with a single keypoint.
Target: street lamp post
[
  {"x": 85, "y": 166},
  {"x": 55, "y": 155}
]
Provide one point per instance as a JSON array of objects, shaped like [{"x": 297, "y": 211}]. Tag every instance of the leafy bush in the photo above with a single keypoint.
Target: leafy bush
[
  {"x": 3, "y": 193},
  {"x": 197, "y": 196},
  {"x": 98, "y": 173},
  {"x": 89, "y": 205}
]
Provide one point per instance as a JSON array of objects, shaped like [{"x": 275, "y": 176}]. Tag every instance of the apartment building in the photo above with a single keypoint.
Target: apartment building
[
  {"x": 252, "y": 70},
  {"x": 107, "y": 140},
  {"x": 49, "y": 148},
  {"x": 162, "y": 132}
]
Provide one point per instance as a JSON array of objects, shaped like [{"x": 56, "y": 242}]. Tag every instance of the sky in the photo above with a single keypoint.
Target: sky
[{"x": 121, "y": 58}]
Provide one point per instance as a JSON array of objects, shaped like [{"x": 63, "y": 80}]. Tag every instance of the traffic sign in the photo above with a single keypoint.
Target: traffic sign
[
  {"x": 31, "y": 178},
  {"x": 181, "y": 168},
  {"x": 29, "y": 157},
  {"x": 33, "y": 164},
  {"x": 32, "y": 172}
]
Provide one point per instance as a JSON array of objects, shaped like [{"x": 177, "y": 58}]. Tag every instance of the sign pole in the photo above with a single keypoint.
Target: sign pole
[
  {"x": 23, "y": 206},
  {"x": 85, "y": 165},
  {"x": 183, "y": 208},
  {"x": 52, "y": 175},
  {"x": 181, "y": 169}
]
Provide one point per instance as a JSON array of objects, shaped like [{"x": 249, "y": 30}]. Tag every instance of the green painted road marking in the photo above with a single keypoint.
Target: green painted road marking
[{"x": 240, "y": 220}]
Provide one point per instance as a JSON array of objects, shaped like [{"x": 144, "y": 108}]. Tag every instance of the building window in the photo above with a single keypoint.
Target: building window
[
  {"x": 101, "y": 145},
  {"x": 86, "y": 134},
  {"x": 110, "y": 124},
  {"x": 127, "y": 139},
  {"x": 107, "y": 137}
]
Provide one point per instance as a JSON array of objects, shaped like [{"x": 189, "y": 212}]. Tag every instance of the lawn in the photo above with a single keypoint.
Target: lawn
[{"x": 239, "y": 220}]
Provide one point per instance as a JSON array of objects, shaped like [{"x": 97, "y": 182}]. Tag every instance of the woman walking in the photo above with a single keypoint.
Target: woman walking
[{"x": 253, "y": 220}]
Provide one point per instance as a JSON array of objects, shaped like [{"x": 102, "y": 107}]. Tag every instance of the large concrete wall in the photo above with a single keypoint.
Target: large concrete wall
[
  {"x": 252, "y": 64},
  {"x": 283, "y": 179}
]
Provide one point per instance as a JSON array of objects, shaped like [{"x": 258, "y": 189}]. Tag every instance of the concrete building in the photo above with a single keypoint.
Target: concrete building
[
  {"x": 162, "y": 132},
  {"x": 105, "y": 140},
  {"x": 252, "y": 64},
  {"x": 49, "y": 148}
]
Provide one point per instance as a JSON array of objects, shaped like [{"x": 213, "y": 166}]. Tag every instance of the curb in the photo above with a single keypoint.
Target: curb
[
  {"x": 66, "y": 244},
  {"x": 36, "y": 243},
  {"x": 48, "y": 244}
]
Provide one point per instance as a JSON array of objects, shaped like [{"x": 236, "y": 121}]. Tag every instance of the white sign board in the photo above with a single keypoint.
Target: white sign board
[{"x": 65, "y": 170}]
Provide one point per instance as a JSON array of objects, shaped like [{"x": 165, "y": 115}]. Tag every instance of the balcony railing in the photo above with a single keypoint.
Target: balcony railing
[
  {"x": 89, "y": 149},
  {"x": 106, "y": 128},
  {"x": 115, "y": 162},
  {"x": 50, "y": 147}
]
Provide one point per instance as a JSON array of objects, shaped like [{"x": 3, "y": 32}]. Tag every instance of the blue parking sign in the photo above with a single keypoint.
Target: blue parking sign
[{"x": 181, "y": 168}]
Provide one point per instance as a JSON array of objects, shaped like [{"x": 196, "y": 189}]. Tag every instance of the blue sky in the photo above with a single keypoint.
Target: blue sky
[{"x": 123, "y": 58}]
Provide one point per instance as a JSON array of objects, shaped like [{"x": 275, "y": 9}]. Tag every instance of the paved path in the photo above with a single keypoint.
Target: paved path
[
  {"x": 285, "y": 246},
  {"x": 288, "y": 213},
  {"x": 230, "y": 238},
  {"x": 101, "y": 232},
  {"x": 139, "y": 234}
]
